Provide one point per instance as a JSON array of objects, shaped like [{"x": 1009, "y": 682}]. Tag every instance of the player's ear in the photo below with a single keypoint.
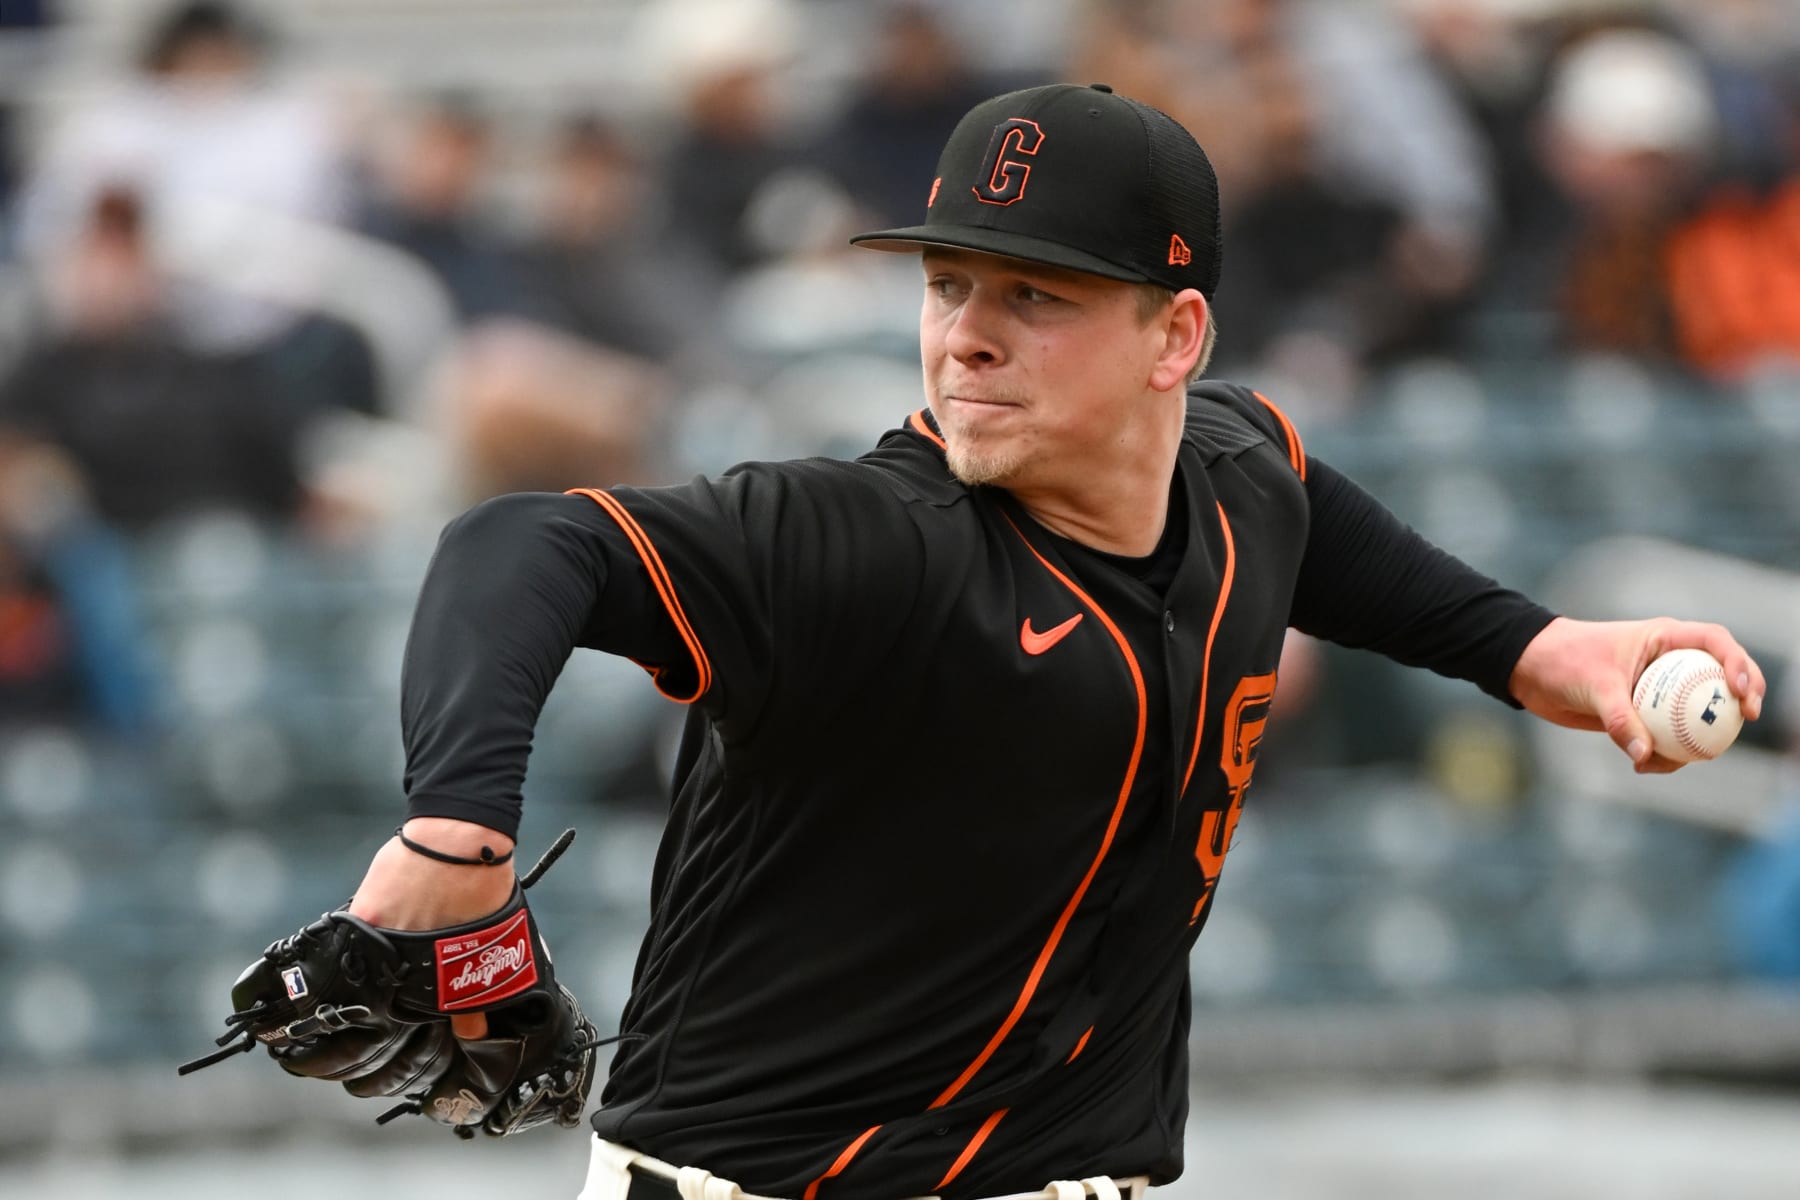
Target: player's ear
[{"x": 1184, "y": 333}]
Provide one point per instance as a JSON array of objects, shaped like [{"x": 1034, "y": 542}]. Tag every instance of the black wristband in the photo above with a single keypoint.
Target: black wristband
[{"x": 488, "y": 857}]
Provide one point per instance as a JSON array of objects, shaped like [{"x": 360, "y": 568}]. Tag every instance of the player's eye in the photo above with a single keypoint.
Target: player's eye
[{"x": 1034, "y": 295}]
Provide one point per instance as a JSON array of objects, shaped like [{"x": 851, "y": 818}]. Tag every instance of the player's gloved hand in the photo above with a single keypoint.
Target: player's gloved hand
[
  {"x": 370, "y": 1008},
  {"x": 535, "y": 1066}
]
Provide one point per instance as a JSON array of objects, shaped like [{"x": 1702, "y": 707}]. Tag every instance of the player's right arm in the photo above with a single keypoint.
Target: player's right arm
[
  {"x": 509, "y": 591},
  {"x": 698, "y": 584},
  {"x": 695, "y": 583},
  {"x": 514, "y": 586}
]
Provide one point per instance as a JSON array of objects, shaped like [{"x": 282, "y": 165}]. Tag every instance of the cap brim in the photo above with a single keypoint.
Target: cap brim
[{"x": 994, "y": 241}]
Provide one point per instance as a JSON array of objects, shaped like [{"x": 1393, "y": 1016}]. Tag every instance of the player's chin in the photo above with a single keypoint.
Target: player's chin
[{"x": 975, "y": 466}]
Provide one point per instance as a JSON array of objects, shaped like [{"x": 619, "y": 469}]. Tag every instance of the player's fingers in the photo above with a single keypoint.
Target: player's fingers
[
  {"x": 470, "y": 1027},
  {"x": 1622, "y": 724},
  {"x": 1656, "y": 764},
  {"x": 1742, "y": 675},
  {"x": 1746, "y": 679}
]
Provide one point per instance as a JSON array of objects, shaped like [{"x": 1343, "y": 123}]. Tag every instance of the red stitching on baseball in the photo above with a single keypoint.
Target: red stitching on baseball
[{"x": 1678, "y": 722}]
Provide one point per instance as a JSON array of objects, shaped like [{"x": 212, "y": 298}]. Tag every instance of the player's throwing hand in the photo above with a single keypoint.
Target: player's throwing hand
[{"x": 1580, "y": 674}]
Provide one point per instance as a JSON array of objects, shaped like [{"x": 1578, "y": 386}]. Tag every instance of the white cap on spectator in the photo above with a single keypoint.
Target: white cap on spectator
[
  {"x": 1632, "y": 90},
  {"x": 684, "y": 42}
]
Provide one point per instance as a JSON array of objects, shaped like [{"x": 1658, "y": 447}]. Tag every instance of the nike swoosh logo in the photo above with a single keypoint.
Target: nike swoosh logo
[{"x": 1036, "y": 643}]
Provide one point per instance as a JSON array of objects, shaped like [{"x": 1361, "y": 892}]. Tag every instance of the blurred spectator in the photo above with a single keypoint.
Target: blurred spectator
[
  {"x": 152, "y": 427},
  {"x": 1734, "y": 278},
  {"x": 536, "y": 410},
  {"x": 1127, "y": 45},
  {"x": 1734, "y": 265},
  {"x": 723, "y": 59},
  {"x": 71, "y": 650},
  {"x": 821, "y": 296},
  {"x": 594, "y": 267},
  {"x": 1751, "y": 51},
  {"x": 427, "y": 199},
  {"x": 1385, "y": 126},
  {"x": 1308, "y": 258},
  {"x": 15, "y": 15},
  {"x": 8, "y": 175},
  {"x": 1355, "y": 187},
  {"x": 886, "y": 139},
  {"x": 204, "y": 130},
  {"x": 1627, "y": 127},
  {"x": 1494, "y": 61},
  {"x": 546, "y": 386},
  {"x": 1643, "y": 182},
  {"x": 39, "y": 679},
  {"x": 1760, "y": 895}
]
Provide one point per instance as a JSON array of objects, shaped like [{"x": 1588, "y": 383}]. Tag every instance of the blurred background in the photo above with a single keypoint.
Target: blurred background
[{"x": 284, "y": 286}]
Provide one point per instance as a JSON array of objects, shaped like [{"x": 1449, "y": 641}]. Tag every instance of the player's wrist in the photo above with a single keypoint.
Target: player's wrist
[
  {"x": 485, "y": 855},
  {"x": 406, "y": 890},
  {"x": 457, "y": 838}
]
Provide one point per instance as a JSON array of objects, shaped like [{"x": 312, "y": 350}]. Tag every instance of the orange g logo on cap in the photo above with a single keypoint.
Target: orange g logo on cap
[{"x": 1004, "y": 177}]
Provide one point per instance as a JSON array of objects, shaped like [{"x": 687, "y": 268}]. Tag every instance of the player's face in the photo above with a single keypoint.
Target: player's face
[{"x": 1037, "y": 375}]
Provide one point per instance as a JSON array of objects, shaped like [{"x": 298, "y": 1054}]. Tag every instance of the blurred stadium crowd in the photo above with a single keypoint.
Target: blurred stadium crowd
[{"x": 284, "y": 286}]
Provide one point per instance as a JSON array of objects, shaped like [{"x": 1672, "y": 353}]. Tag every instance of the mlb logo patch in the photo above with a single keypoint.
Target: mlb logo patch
[{"x": 295, "y": 982}]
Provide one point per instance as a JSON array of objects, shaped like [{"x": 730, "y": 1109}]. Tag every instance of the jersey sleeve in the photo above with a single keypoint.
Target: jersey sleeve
[
  {"x": 755, "y": 593},
  {"x": 513, "y": 587},
  {"x": 781, "y": 580},
  {"x": 1368, "y": 580},
  {"x": 1258, "y": 412}
]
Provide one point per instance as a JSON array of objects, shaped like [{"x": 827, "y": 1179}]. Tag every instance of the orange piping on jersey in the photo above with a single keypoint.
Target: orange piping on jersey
[
  {"x": 1112, "y": 827},
  {"x": 843, "y": 1160},
  {"x": 1212, "y": 632},
  {"x": 1296, "y": 452},
  {"x": 1079, "y": 1046},
  {"x": 665, "y": 588},
  {"x": 917, "y": 421},
  {"x": 962, "y": 1160}
]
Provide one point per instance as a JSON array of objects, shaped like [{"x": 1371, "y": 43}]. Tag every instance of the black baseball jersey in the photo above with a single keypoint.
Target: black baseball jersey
[{"x": 954, "y": 794}]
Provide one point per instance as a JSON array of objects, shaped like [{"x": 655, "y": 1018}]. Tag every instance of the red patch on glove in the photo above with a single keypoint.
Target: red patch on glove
[{"x": 491, "y": 964}]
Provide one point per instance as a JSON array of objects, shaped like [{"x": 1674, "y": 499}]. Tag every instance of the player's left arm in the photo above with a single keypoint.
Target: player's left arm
[
  {"x": 1369, "y": 581},
  {"x": 1580, "y": 674}
]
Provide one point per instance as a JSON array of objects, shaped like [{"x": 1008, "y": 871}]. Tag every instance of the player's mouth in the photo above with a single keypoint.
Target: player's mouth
[{"x": 981, "y": 401}]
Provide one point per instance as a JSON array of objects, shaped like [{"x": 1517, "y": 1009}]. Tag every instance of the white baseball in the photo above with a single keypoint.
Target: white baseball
[{"x": 1687, "y": 706}]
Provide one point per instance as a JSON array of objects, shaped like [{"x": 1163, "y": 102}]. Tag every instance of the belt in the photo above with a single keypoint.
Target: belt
[
  {"x": 648, "y": 1186},
  {"x": 653, "y": 1179}
]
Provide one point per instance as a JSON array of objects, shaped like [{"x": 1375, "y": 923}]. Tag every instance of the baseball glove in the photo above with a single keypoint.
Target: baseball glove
[{"x": 370, "y": 1008}]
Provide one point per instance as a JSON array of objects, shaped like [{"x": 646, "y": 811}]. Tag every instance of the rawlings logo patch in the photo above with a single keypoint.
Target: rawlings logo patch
[{"x": 479, "y": 968}]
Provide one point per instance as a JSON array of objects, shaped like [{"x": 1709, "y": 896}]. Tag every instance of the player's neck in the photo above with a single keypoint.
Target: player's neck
[
  {"x": 1132, "y": 534},
  {"x": 1119, "y": 512}
]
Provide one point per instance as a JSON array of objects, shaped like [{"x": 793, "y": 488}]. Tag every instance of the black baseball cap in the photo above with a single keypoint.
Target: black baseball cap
[{"x": 1074, "y": 177}]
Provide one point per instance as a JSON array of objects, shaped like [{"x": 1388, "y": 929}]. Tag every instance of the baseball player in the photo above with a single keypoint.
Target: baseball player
[{"x": 972, "y": 721}]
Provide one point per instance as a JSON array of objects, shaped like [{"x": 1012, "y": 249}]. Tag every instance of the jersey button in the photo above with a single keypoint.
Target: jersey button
[{"x": 1169, "y": 622}]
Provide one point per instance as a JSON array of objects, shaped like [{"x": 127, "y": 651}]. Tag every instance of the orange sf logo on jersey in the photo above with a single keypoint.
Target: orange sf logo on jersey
[{"x": 1246, "y": 713}]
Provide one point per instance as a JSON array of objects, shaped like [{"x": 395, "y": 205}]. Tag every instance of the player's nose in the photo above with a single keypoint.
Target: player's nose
[{"x": 974, "y": 334}]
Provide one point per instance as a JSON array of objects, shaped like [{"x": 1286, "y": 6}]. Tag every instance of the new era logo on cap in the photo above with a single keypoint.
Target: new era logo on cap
[{"x": 1074, "y": 177}]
